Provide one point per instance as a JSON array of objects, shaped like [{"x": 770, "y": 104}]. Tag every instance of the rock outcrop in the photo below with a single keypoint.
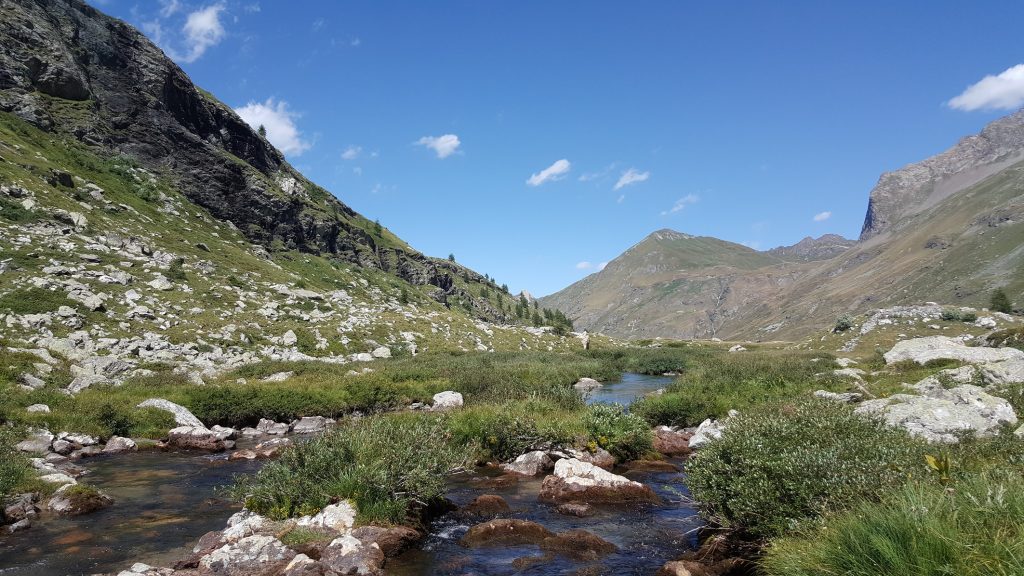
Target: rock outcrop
[{"x": 576, "y": 481}]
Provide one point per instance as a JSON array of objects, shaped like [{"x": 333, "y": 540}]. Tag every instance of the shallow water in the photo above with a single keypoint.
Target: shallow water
[
  {"x": 628, "y": 388},
  {"x": 647, "y": 536},
  {"x": 164, "y": 501}
]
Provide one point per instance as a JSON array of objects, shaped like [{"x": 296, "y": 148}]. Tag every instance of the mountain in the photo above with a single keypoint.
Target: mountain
[
  {"x": 948, "y": 229},
  {"x": 142, "y": 222},
  {"x": 675, "y": 285},
  {"x": 811, "y": 249}
]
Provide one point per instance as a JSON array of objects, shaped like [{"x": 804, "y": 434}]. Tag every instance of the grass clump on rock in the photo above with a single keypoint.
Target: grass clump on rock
[
  {"x": 784, "y": 463},
  {"x": 626, "y": 436},
  {"x": 388, "y": 465}
]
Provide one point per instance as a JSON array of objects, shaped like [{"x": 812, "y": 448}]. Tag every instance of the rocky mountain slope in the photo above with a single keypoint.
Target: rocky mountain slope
[
  {"x": 947, "y": 229},
  {"x": 142, "y": 222}
]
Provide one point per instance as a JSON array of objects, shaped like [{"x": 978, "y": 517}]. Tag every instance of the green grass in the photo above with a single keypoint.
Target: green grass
[
  {"x": 973, "y": 527},
  {"x": 718, "y": 382},
  {"x": 380, "y": 463},
  {"x": 34, "y": 301},
  {"x": 14, "y": 466}
]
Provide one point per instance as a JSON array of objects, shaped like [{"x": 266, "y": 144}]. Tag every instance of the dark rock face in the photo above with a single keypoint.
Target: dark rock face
[{"x": 68, "y": 68}]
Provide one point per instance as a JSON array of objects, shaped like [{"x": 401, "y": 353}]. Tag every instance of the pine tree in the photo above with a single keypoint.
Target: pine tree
[
  {"x": 377, "y": 228},
  {"x": 451, "y": 257},
  {"x": 262, "y": 131},
  {"x": 403, "y": 298}
]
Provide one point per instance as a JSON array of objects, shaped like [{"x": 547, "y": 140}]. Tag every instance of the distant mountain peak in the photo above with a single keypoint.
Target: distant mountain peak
[
  {"x": 669, "y": 234},
  {"x": 810, "y": 249}
]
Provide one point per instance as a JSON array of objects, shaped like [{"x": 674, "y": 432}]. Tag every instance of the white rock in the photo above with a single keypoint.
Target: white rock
[
  {"x": 939, "y": 414},
  {"x": 574, "y": 471},
  {"x": 381, "y": 352},
  {"x": 250, "y": 555},
  {"x": 38, "y": 408},
  {"x": 279, "y": 376},
  {"x": 1006, "y": 372},
  {"x": 447, "y": 400},
  {"x": 161, "y": 283},
  {"x": 182, "y": 415},
  {"x": 339, "y": 517},
  {"x": 586, "y": 384},
  {"x": 737, "y": 348},
  {"x": 707, "y": 431},
  {"x": 845, "y": 397},
  {"x": 117, "y": 444},
  {"x": 529, "y": 464},
  {"x": 985, "y": 322},
  {"x": 267, "y": 426},
  {"x": 58, "y": 478},
  {"x": 289, "y": 338},
  {"x": 311, "y": 424},
  {"x": 923, "y": 350},
  {"x": 241, "y": 525}
]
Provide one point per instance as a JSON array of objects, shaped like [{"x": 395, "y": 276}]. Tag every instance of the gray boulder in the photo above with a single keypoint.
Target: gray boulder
[
  {"x": 447, "y": 400},
  {"x": 311, "y": 424},
  {"x": 251, "y": 555},
  {"x": 182, "y": 415},
  {"x": 529, "y": 464},
  {"x": 1006, "y": 372},
  {"x": 939, "y": 415},
  {"x": 923, "y": 350},
  {"x": 586, "y": 384}
]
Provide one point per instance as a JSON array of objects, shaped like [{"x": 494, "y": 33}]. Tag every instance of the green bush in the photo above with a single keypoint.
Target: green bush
[
  {"x": 627, "y": 436},
  {"x": 843, "y": 323},
  {"x": 722, "y": 382},
  {"x": 975, "y": 527},
  {"x": 1000, "y": 302},
  {"x": 951, "y": 315},
  {"x": 968, "y": 317},
  {"x": 781, "y": 464},
  {"x": 388, "y": 465}
]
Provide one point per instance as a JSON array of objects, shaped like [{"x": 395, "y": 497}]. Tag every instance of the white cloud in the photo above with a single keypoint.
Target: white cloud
[
  {"x": 444, "y": 146},
  {"x": 822, "y": 216},
  {"x": 352, "y": 152},
  {"x": 253, "y": 8},
  {"x": 631, "y": 176},
  {"x": 621, "y": 198},
  {"x": 358, "y": 171},
  {"x": 318, "y": 24},
  {"x": 355, "y": 42},
  {"x": 169, "y": 8},
  {"x": 752, "y": 244},
  {"x": 584, "y": 265},
  {"x": 202, "y": 30},
  {"x": 1005, "y": 91},
  {"x": 556, "y": 171},
  {"x": 279, "y": 122},
  {"x": 602, "y": 265},
  {"x": 682, "y": 203}
]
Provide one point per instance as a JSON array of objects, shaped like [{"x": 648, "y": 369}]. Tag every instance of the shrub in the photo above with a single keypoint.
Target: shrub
[
  {"x": 716, "y": 384},
  {"x": 176, "y": 270},
  {"x": 625, "y": 435},
  {"x": 950, "y": 315},
  {"x": 968, "y": 317},
  {"x": 1000, "y": 302},
  {"x": 781, "y": 464},
  {"x": 843, "y": 323},
  {"x": 975, "y": 527},
  {"x": 380, "y": 463},
  {"x": 504, "y": 431}
]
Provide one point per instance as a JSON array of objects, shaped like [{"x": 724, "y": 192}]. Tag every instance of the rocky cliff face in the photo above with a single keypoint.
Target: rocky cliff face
[
  {"x": 917, "y": 187},
  {"x": 65, "y": 67}
]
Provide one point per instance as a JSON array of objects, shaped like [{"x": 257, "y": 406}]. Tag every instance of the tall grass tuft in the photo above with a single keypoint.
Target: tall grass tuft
[{"x": 975, "y": 527}]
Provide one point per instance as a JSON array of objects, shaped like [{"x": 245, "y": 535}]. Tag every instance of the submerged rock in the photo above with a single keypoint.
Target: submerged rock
[
  {"x": 392, "y": 541},
  {"x": 487, "y": 505},
  {"x": 671, "y": 442},
  {"x": 76, "y": 500},
  {"x": 578, "y": 544},
  {"x": 505, "y": 532}
]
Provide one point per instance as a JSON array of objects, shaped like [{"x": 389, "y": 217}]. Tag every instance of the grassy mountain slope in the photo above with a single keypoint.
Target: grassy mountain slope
[{"x": 673, "y": 285}]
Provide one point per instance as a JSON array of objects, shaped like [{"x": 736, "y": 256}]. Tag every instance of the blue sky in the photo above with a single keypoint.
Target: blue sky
[{"x": 536, "y": 140}]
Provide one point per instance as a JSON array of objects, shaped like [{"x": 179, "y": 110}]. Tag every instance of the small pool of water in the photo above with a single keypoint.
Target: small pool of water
[
  {"x": 628, "y": 388},
  {"x": 164, "y": 501}
]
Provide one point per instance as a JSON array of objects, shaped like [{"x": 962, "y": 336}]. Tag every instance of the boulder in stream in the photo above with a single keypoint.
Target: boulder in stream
[{"x": 576, "y": 481}]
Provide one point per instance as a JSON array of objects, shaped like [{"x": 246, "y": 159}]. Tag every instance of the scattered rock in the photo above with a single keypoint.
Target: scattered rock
[
  {"x": 530, "y": 464},
  {"x": 737, "y": 348},
  {"x": 311, "y": 425},
  {"x": 938, "y": 414},
  {"x": 196, "y": 438},
  {"x": 289, "y": 338},
  {"x": 1006, "y": 372},
  {"x": 586, "y": 384},
  {"x": 447, "y": 400},
  {"x": 578, "y": 509},
  {"x": 576, "y": 481},
  {"x": 117, "y": 444},
  {"x": 279, "y": 376},
  {"x": 923, "y": 350},
  {"x": 670, "y": 442},
  {"x": 707, "y": 431},
  {"x": 267, "y": 426},
  {"x": 579, "y": 544},
  {"x": 38, "y": 443},
  {"x": 392, "y": 541},
  {"x": 76, "y": 500},
  {"x": 339, "y": 517},
  {"x": 381, "y": 352},
  {"x": 182, "y": 415},
  {"x": 487, "y": 505},
  {"x": 40, "y": 408},
  {"x": 348, "y": 555},
  {"x": 505, "y": 532},
  {"x": 842, "y": 397},
  {"x": 250, "y": 556}
]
